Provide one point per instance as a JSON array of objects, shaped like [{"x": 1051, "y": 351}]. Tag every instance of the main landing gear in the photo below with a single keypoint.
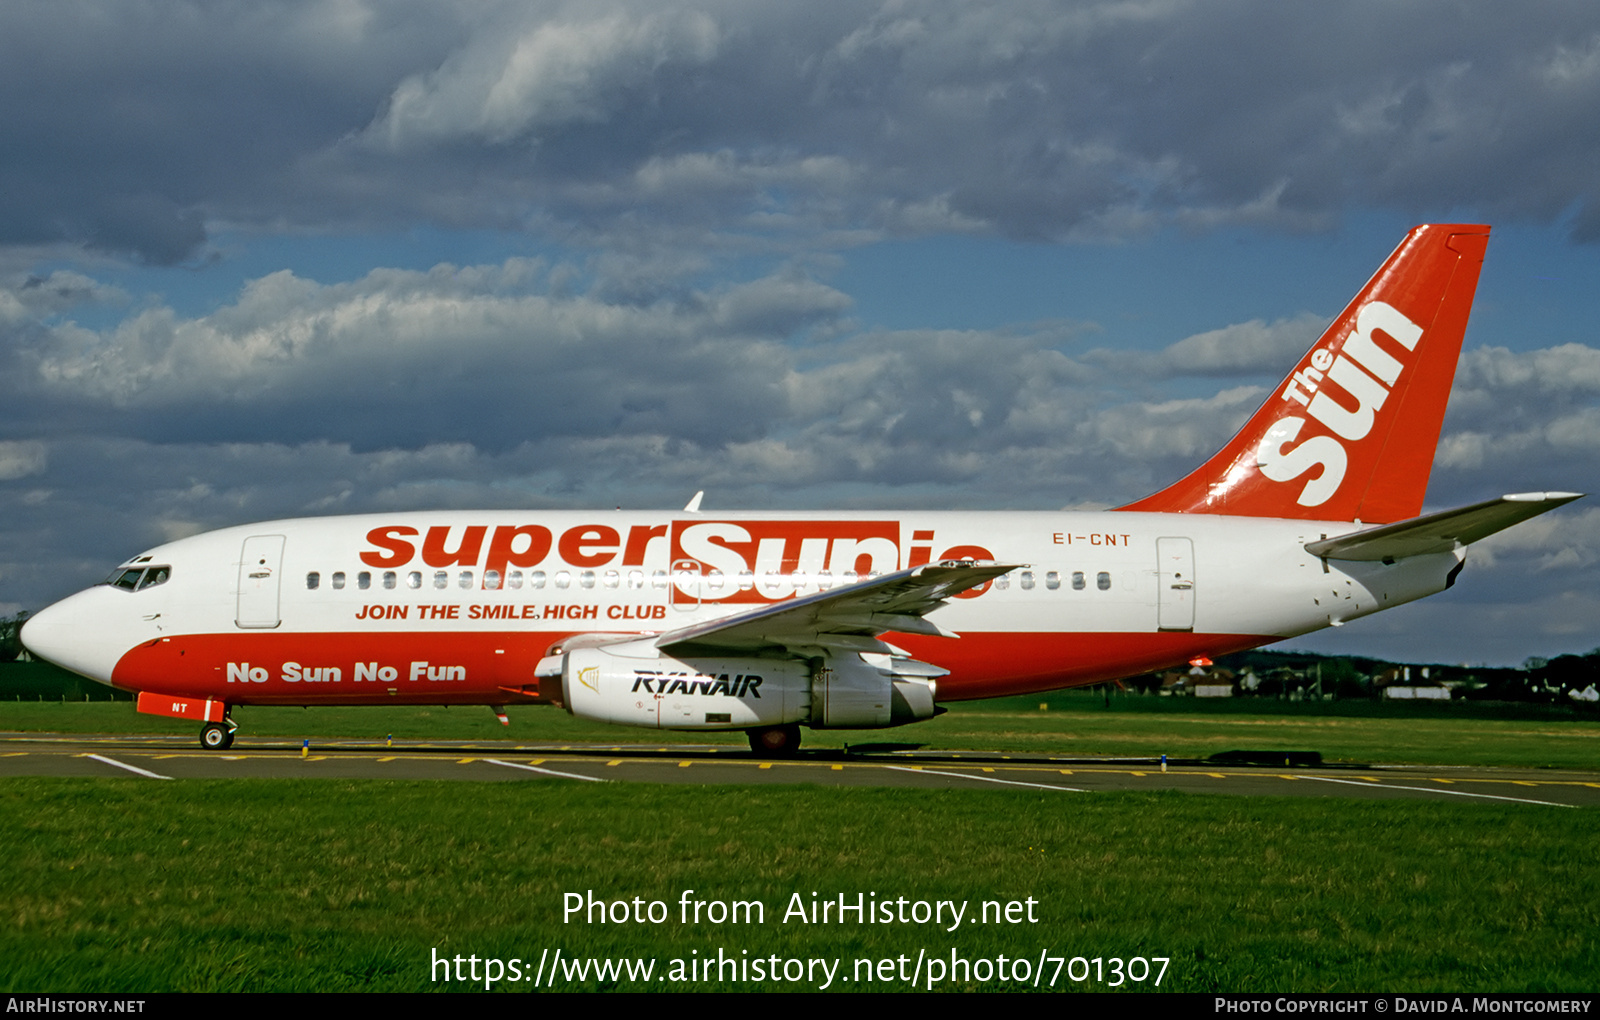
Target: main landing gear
[
  {"x": 775, "y": 741},
  {"x": 218, "y": 736}
]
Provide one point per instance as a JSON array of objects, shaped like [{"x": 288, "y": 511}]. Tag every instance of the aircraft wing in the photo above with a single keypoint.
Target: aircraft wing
[
  {"x": 849, "y": 617},
  {"x": 1440, "y": 532}
]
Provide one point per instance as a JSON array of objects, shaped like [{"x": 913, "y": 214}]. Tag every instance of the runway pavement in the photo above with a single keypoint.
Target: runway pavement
[{"x": 165, "y": 758}]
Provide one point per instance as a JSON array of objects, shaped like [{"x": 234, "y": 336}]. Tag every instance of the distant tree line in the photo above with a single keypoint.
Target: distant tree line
[
  {"x": 11, "y": 637},
  {"x": 1558, "y": 680},
  {"x": 1564, "y": 680}
]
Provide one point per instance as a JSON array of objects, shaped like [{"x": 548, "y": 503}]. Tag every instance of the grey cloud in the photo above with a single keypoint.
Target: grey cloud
[
  {"x": 1570, "y": 539},
  {"x": 765, "y": 380},
  {"x": 480, "y": 354},
  {"x": 34, "y": 297},
  {"x": 759, "y": 384},
  {"x": 132, "y": 128},
  {"x": 129, "y": 127},
  {"x": 763, "y": 372},
  {"x": 1245, "y": 348},
  {"x": 569, "y": 68},
  {"x": 1191, "y": 429},
  {"x": 1556, "y": 438},
  {"x": 21, "y": 458},
  {"x": 1573, "y": 367},
  {"x": 1528, "y": 420}
]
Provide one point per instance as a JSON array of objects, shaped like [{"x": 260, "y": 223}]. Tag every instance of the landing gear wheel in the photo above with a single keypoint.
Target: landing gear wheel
[
  {"x": 775, "y": 741},
  {"x": 215, "y": 737}
]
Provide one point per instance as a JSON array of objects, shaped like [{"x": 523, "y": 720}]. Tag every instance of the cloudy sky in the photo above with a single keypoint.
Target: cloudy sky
[{"x": 280, "y": 258}]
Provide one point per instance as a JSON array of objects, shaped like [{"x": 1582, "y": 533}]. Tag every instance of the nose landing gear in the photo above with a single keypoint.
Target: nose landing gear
[{"x": 218, "y": 736}]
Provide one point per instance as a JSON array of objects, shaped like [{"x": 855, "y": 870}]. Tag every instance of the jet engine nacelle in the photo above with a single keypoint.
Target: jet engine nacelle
[
  {"x": 631, "y": 683},
  {"x": 662, "y": 692}
]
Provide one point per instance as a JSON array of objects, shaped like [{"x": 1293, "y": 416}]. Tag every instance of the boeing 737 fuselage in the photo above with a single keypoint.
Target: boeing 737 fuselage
[{"x": 765, "y": 622}]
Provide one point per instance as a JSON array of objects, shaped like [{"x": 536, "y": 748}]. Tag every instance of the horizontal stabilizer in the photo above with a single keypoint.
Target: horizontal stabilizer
[{"x": 1440, "y": 532}]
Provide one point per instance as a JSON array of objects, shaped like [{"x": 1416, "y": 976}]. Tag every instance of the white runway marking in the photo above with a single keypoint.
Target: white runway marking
[
  {"x": 125, "y": 765},
  {"x": 985, "y": 779},
  {"x": 548, "y": 772},
  {"x": 1431, "y": 789}
]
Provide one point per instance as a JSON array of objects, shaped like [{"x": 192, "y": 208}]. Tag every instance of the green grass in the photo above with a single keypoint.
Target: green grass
[
  {"x": 1075, "y": 724},
  {"x": 126, "y": 885}
]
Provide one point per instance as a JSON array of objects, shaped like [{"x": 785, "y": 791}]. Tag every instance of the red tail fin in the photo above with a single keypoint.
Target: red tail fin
[{"x": 1350, "y": 434}]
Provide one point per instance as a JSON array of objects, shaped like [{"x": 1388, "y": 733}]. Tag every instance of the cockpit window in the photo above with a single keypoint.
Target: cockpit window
[{"x": 139, "y": 578}]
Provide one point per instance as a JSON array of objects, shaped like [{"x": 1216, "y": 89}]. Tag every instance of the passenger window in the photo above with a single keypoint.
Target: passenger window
[
  {"x": 364, "y": 580},
  {"x": 1077, "y": 580},
  {"x": 536, "y": 579},
  {"x": 313, "y": 580},
  {"x": 441, "y": 579},
  {"x": 658, "y": 580},
  {"x": 635, "y": 579},
  {"x": 491, "y": 579},
  {"x": 338, "y": 579},
  {"x": 824, "y": 580},
  {"x": 514, "y": 579},
  {"x": 1052, "y": 580},
  {"x": 773, "y": 582},
  {"x": 611, "y": 579},
  {"x": 1002, "y": 582},
  {"x": 714, "y": 579},
  {"x": 414, "y": 579},
  {"x": 563, "y": 579},
  {"x": 1102, "y": 581},
  {"x": 1027, "y": 580},
  {"x": 586, "y": 579},
  {"x": 389, "y": 579},
  {"x": 747, "y": 580},
  {"x": 465, "y": 580}
]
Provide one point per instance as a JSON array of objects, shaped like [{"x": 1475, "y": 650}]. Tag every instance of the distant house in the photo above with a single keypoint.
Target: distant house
[
  {"x": 1199, "y": 682},
  {"x": 1408, "y": 683}
]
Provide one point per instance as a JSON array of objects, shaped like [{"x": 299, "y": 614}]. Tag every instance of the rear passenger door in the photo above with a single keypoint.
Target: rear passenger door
[{"x": 1175, "y": 584}]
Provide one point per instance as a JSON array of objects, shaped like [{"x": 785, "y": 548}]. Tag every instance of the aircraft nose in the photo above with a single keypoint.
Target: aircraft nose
[
  {"x": 40, "y": 634},
  {"x": 64, "y": 634}
]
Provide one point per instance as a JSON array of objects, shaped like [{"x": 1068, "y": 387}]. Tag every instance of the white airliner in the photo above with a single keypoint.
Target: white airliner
[{"x": 765, "y": 622}]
